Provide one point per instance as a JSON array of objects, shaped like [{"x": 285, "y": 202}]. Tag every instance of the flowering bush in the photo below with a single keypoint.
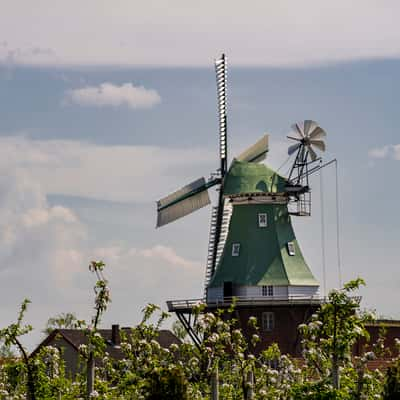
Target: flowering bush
[{"x": 224, "y": 361}]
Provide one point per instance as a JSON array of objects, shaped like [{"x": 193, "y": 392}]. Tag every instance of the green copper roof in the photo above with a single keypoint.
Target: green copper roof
[
  {"x": 247, "y": 177},
  {"x": 263, "y": 257}
]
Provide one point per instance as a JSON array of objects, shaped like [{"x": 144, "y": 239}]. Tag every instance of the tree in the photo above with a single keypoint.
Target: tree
[
  {"x": 391, "y": 389},
  {"x": 179, "y": 330},
  {"x": 62, "y": 320},
  {"x": 392, "y": 383},
  {"x": 95, "y": 341},
  {"x": 6, "y": 351},
  {"x": 11, "y": 337},
  {"x": 146, "y": 370},
  {"x": 328, "y": 340}
]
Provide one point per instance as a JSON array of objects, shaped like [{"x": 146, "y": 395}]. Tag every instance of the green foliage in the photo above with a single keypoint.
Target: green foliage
[
  {"x": 11, "y": 337},
  {"x": 391, "y": 389},
  {"x": 179, "y": 330},
  {"x": 6, "y": 351},
  {"x": 63, "y": 320},
  {"x": 328, "y": 340},
  {"x": 167, "y": 384},
  {"x": 318, "y": 391},
  {"x": 148, "y": 371}
]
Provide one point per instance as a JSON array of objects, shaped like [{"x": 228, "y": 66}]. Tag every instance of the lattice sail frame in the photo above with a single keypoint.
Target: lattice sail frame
[{"x": 221, "y": 76}]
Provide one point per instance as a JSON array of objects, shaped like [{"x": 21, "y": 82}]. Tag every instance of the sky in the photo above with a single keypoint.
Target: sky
[{"x": 106, "y": 107}]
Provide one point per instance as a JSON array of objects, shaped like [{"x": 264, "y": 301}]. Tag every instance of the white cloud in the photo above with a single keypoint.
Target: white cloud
[
  {"x": 168, "y": 255},
  {"x": 32, "y": 232},
  {"x": 387, "y": 151},
  {"x": 160, "y": 253},
  {"x": 396, "y": 151},
  {"x": 379, "y": 152},
  {"x": 45, "y": 249},
  {"x": 151, "y": 274},
  {"x": 181, "y": 33},
  {"x": 116, "y": 173},
  {"x": 41, "y": 216},
  {"x": 109, "y": 95}
]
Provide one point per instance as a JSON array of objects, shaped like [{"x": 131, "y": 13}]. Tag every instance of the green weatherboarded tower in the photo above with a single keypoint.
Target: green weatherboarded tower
[
  {"x": 260, "y": 254},
  {"x": 253, "y": 253}
]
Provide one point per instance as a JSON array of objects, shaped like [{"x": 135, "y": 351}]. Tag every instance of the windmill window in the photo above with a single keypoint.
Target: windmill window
[
  {"x": 262, "y": 220},
  {"x": 291, "y": 249},
  {"x": 235, "y": 249},
  {"x": 268, "y": 290},
  {"x": 268, "y": 321}
]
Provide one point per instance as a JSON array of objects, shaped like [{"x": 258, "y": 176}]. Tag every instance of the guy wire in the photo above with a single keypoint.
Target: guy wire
[
  {"x": 338, "y": 227},
  {"x": 321, "y": 188}
]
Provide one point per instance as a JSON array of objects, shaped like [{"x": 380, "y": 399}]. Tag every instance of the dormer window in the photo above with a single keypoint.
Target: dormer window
[
  {"x": 235, "y": 249},
  {"x": 268, "y": 290},
  {"x": 262, "y": 220},
  {"x": 291, "y": 249}
]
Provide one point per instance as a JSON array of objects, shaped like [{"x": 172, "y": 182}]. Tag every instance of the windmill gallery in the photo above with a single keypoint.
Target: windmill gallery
[{"x": 254, "y": 258}]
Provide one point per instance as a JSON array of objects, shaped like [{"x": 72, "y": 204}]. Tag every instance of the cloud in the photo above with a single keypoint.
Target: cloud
[
  {"x": 12, "y": 56},
  {"x": 379, "y": 152},
  {"x": 151, "y": 274},
  {"x": 115, "y": 173},
  {"x": 45, "y": 248},
  {"x": 151, "y": 34},
  {"x": 160, "y": 253},
  {"x": 30, "y": 227},
  {"x": 396, "y": 151},
  {"x": 45, "y": 251},
  {"x": 388, "y": 151},
  {"x": 42, "y": 250},
  {"x": 109, "y": 95},
  {"x": 168, "y": 255}
]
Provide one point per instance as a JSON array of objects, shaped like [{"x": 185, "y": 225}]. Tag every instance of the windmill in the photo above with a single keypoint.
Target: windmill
[
  {"x": 253, "y": 254},
  {"x": 195, "y": 195}
]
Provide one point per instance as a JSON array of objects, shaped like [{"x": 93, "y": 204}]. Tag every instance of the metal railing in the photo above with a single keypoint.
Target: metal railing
[
  {"x": 189, "y": 304},
  {"x": 244, "y": 300}
]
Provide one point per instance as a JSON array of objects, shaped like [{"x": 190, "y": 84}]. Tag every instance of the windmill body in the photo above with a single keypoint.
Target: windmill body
[
  {"x": 253, "y": 253},
  {"x": 261, "y": 257}
]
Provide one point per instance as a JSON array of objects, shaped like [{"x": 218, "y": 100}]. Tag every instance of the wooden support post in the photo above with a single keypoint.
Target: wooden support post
[
  {"x": 215, "y": 384},
  {"x": 249, "y": 386},
  {"x": 335, "y": 363},
  {"x": 90, "y": 375}
]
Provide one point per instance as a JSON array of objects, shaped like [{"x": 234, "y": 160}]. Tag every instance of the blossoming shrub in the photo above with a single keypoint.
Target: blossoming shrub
[{"x": 146, "y": 370}]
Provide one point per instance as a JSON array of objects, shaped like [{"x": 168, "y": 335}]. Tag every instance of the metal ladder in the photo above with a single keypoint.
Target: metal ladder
[{"x": 226, "y": 216}]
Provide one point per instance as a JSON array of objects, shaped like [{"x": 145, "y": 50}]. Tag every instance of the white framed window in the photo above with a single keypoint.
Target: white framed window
[
  {"x": 235, "y": 249},
  {"x": 268, "y": 321},
  {"x": 268, "y": 290},
  {"x": 262, "y": 220},
  {"x": 291, "y": 249}
]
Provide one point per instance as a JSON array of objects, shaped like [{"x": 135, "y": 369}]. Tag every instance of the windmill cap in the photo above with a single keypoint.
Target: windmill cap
[{"x": 246, "y": 177}]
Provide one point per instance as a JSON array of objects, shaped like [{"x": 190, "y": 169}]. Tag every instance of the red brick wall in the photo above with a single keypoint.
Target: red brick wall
[
  {"x": 285, "y": 332},
  {"x": 289, "y": 317},
  {"x": 391, "y": 333}
]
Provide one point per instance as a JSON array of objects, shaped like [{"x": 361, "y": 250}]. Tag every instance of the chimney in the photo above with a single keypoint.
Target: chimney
[{"x": 115, "y": 336}]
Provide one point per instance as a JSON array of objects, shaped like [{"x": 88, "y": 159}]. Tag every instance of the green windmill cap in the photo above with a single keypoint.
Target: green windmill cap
[{"x": 248, "y": 177}]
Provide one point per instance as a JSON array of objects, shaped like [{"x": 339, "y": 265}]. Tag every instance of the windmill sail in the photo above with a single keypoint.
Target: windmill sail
[
  {"x": 257, "y": 152},
  {"x": 184, "y": 201},
  {"x": 220, "y": 70}
]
